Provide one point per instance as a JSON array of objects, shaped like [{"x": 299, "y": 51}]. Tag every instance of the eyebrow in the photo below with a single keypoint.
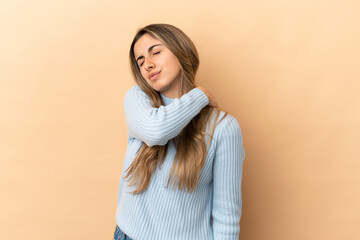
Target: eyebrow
[{"x": 150, "y": 48}]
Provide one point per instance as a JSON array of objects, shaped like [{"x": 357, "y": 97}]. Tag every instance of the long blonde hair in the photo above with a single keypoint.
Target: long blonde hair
[{"x": 190, "y": 144}]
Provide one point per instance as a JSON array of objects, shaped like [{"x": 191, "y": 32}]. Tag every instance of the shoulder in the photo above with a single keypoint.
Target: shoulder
[
  {"x": 134, "y": 93},
  {"x": 227, "y": 127},
  {"x": 132, "y": 90}
]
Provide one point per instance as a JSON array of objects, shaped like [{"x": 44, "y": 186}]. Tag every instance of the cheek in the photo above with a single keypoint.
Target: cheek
[
  {"x": 175, "y": 68},
  {"x": 143, "y": 73},
  {"x": 172, "y": 64}
]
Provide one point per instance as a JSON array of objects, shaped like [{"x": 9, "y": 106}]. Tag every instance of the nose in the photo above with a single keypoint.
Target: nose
[{"x": 149, "y": 65}]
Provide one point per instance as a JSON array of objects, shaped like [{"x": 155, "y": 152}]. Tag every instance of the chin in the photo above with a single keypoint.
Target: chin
[{"x": 158, "y": 88}]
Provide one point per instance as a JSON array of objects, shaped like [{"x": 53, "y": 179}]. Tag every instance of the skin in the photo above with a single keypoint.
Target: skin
[{"x": 161, "y": 59}]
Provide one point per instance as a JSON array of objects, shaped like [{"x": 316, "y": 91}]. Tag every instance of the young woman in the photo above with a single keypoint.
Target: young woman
[{"x": 182, "y": 169}]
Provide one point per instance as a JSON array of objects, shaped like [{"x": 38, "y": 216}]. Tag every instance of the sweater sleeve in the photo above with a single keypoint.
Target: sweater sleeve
[
  {"x": 156, "y": 126},
  {"x": 227, "y": 177}
]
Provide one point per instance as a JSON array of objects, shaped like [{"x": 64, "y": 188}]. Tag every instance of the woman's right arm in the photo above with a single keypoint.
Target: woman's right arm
[{"x": 156, "y": 126}]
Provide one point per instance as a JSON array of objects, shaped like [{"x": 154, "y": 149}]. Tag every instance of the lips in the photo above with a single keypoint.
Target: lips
[{"x": 153, "y": 74}]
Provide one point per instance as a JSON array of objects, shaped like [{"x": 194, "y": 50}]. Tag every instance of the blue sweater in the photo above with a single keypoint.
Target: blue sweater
[{"x": 213, "y": 209}]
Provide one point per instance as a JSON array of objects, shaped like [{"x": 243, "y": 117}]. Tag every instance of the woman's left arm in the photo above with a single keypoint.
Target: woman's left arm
[{"x": 227, "y": 177}]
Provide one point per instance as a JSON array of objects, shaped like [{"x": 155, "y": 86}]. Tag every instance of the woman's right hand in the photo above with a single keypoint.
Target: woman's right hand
[{"x": 212, "y": 100}]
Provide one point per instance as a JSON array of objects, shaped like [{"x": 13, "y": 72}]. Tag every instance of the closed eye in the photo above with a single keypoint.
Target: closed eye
[{"x": 143, "y": 62}]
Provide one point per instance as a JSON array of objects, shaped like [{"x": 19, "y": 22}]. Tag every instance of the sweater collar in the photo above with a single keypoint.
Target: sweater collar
[{"x": 166, "y": 99}]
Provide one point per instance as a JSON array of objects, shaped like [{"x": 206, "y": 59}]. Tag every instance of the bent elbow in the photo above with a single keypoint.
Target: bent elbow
[{"x": 156, "y": 141}]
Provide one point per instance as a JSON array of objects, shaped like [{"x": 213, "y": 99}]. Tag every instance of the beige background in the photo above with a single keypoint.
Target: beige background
[{"x": 287, "y": 70}]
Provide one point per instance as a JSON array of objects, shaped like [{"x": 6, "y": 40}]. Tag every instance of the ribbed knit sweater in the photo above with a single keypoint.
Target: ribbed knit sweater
[{"x": 213, "y": 209}]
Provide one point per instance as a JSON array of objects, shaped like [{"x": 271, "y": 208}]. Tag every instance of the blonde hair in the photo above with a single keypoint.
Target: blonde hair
[{"x": 190, "y": 145}]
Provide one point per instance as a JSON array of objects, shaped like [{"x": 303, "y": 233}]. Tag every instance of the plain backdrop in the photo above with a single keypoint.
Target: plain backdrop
[{"x": 287, "y": 70}]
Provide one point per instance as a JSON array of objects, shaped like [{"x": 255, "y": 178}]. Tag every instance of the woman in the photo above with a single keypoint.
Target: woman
[{"x": 182, "y": 169}]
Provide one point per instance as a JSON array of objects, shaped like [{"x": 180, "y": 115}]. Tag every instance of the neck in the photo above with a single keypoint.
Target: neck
[
  {"x": 171, "y": 95},
  {"x": 173, "y": 91}
]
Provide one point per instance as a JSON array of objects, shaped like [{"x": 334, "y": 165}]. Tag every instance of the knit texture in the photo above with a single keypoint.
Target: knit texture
[{"x": 213, "y": 209}]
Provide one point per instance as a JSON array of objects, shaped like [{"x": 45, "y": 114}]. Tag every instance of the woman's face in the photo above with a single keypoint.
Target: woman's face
[{"x": 158, "y": 66}]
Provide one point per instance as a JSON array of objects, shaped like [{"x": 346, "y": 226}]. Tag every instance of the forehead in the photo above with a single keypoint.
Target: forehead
[{"x": 143, "y": 43}]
